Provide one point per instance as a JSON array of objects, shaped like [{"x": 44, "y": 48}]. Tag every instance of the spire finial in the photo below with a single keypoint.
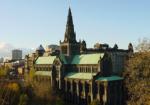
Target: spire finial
[{"x": 69, "y": 3}]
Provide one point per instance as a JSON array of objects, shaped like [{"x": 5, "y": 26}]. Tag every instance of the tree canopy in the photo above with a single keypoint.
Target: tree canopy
[{"x": 137, "y": 76}]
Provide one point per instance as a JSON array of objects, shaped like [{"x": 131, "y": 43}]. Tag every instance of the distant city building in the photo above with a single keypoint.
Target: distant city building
[
  {"x": 52, "y": 48},
  {"x": 82, "y": 74},
  {"x": 16, "y": 54},
  {"x": 1, "y": 60}
]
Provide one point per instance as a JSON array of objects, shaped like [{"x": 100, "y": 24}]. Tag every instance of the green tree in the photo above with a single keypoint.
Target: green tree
[
  {"x": 4, "y": 70},
  {"x": 29, "y": 78},
  {"x": 144, "y": 45},
  {"x": 137, "y": 76},
  {"x": 23, "y": 99},
  {"x": 59, "y": 101},
  {"x": 95, "y": 102}
]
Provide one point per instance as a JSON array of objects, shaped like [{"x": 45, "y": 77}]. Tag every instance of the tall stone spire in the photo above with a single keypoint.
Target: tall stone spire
[
  {"x": 70, "y": 35},
  {"x": 69, "y": 46}
]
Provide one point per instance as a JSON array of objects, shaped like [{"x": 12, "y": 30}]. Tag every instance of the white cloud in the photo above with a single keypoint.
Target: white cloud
[
  {"x": 6, "y": 49},
  {"x": 5, "y": 46}
]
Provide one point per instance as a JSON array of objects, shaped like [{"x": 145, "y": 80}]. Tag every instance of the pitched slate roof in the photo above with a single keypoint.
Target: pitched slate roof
[
  {"x": 45, "y": 60},
  {"x": 111, "y": 78},
  {"x": 43, "y": 73},
  {"x": 83, "y": 76},
  {"x": 87, "y": 58}
]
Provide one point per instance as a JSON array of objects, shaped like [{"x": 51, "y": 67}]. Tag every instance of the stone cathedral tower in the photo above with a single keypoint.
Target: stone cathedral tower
[
  {"x": 82, "y": 74},
  {"x": 70, "y": 46}
]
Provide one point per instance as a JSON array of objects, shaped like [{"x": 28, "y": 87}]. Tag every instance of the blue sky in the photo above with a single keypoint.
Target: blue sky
[{"x": 28, "y": 23}]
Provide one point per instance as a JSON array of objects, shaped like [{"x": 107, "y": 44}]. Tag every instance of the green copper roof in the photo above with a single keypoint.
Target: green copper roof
[
  {"x": 111, "y": 78},
  {"x": 87, "y": 58},
  {"x": 74, "y": 75},
  {"x": 43, "y": 73},
  {"x": 62, "y": 57},
  {"x": 45, "y": 60}
]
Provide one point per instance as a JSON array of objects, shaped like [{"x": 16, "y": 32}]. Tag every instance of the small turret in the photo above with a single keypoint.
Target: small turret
[
  {"x": 40, "y": 51},
  {"x": 115, "y": 47},
  {"x": 82, "y": 46},
  {"x": 130, "y": 47}
]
